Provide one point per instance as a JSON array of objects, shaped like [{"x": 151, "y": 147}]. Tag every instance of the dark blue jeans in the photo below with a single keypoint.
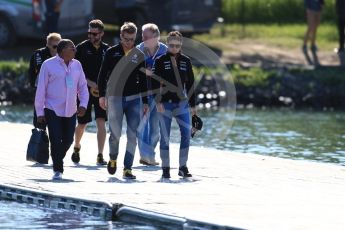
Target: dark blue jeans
[{"x": 61, "y": 132}]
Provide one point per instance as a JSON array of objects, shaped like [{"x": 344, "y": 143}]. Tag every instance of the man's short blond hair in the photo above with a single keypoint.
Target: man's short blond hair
[
  {"x": 128, "y": 27},
  {"x": 153, "y": 28},
  {"x": 53, "y": 37}
]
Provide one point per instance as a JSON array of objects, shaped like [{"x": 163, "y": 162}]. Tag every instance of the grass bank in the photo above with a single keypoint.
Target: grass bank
[
  {"x": 285, "y": 36},
  {"x": 271, "y": 11},
  {"x": 14, "y": 68}
]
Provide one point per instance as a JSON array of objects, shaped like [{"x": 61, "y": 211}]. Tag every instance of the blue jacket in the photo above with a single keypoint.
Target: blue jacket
[{"x": 151, "y": 59}]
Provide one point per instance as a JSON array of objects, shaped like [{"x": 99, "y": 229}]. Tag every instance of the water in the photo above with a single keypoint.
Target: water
[
  {"x": 24, "y": 216},
  {"x": 302, "y": 135}
]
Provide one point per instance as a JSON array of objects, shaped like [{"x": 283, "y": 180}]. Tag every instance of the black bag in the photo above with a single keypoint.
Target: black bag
[
  {"x": 196, "y": 124},
  {"x": 38, "y": 147}
]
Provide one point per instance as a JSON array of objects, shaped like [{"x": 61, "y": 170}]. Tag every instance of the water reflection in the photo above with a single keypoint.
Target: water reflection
[
  {"x": 311, "y": 135},
  {"x": 289, "y": 134},
  {"x": 24, "y": 216}
]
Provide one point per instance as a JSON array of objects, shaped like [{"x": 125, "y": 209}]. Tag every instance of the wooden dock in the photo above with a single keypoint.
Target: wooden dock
[{"x": 228, "y": 190}]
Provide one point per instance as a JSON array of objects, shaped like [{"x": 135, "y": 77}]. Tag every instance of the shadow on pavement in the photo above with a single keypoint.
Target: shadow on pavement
[
  {"x": 315, "y": 58},
  {"x": 38, "y": 165},
  {"x": 87, "y": 167},
  {"x": 178, "y": 181},
  {"x": 148, "y": 168},
  {"x": 56, "y": 181},
  {"x": 123, "y": 181},
  {"x": 307, "y": 57}
]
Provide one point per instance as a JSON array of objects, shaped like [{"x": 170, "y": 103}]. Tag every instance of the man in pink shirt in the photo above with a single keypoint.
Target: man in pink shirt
[{"x": 60, "y": 81}]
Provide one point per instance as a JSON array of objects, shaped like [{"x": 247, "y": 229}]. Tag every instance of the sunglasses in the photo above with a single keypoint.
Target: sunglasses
[
  {"x": 93, "y": 34},
  {"x": 128, "y": 39},
  {"x": 54, "y": 46},
  {"x": 71, "y": 48},
  {"x": 177, "y": 46}
]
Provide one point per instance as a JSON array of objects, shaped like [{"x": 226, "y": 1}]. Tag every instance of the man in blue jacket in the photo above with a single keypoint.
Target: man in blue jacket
[{"x": 148, "y": 136}]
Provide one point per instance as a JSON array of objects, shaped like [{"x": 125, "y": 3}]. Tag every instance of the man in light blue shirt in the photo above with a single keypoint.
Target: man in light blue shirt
[{"x": 148, "y": 135}]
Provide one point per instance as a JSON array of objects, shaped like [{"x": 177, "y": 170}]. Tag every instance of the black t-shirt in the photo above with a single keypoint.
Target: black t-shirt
[{"x": 91, "y": 58}]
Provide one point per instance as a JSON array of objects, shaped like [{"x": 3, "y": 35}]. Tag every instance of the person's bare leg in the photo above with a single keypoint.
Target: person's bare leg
[
  {"x": 78, "y": 134},
  {"x": 316, "y": 23},
  {"x": 101, "y": 134},
  {"x": 309, "y": 27}
]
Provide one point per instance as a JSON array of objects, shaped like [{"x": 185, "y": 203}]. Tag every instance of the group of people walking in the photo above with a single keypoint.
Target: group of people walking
[{"x": 148, "y": 84}]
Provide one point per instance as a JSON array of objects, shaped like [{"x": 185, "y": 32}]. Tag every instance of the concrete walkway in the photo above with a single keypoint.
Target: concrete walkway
[{"x": 229, "y": 189}]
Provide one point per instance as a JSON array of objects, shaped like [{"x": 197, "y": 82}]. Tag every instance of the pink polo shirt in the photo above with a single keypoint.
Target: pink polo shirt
[{"x": 58, "y": 87}]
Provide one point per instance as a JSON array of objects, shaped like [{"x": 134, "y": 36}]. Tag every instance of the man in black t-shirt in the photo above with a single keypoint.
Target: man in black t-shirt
[{"x": 90, "y": 54}]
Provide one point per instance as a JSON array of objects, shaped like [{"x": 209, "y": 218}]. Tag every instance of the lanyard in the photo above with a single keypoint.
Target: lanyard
[{"x": 68, "y": 76}]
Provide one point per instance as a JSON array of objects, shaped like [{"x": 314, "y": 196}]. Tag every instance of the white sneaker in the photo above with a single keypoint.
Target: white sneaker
[{"x": 57, "y": 176}]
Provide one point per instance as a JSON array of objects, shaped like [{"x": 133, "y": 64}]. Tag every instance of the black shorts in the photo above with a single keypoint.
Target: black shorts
[{"x": 99, "y": 112}]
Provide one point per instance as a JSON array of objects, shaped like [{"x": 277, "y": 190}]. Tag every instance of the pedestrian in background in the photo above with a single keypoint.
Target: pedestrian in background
[
  {"x": 175, "y": 98},
  {"x": 60, "y": 81},
  {"x": 313, "y": 10},
  {"x": 340, "y": 10},
  {"x": 122, "y": 77},
  {"x": 53, "y": 9},
  {"x": 148, "y": 136},
  {"x": 36, "y": 60},
  {"x": 90, "y": 54}
]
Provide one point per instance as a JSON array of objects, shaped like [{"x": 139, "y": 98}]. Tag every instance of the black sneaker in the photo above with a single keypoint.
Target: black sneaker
[
  {"x": 100, "y": 159},
  {"x": 183, "y": 171},
  {"x": 127, "y": 174},
  {"x": 166, "y": 172},
  {"x": 75, "y": 155},
  {"x": 111, "y": 167}
]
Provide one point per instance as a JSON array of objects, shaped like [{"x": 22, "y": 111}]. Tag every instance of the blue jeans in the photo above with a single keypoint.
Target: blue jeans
[
  {"x": 117, "y": 107},
  {"x": 180, "y": 111},
  {"x": 149, "y": 132},
  {"x": 61, "y": 132}
]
